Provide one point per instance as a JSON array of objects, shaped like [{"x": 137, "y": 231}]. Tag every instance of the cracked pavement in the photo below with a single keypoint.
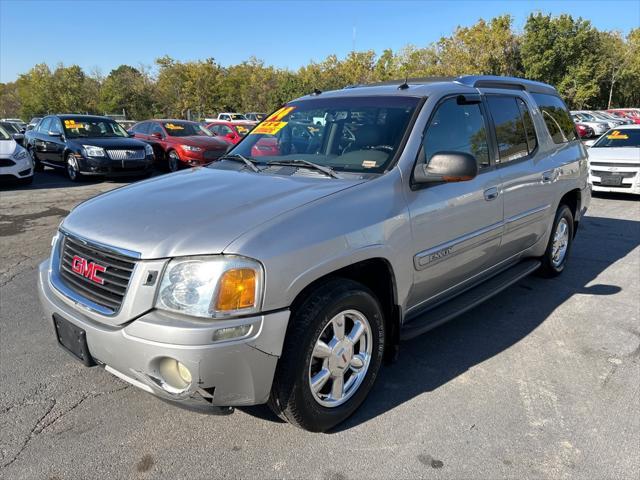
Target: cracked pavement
[{"x": 540, "y": 382}]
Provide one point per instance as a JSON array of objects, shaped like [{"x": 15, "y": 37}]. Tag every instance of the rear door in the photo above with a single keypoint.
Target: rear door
[
  {"x": 457, "y": 227},
  {"x": 41, "y": 138},
  {"x": 523, "y": 173}
]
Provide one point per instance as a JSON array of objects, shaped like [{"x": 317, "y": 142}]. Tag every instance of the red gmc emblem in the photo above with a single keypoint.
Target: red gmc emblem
[{"x": 88, "y": 269}]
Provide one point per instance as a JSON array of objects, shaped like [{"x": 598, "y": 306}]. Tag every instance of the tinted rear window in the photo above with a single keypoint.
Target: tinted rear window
[
  {"x": 556, "y": 117},
  {"x": 510, "y": 130}
]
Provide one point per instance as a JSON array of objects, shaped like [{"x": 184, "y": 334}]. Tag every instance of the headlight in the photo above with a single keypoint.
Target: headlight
[
  {"x": 91, "y": 151},
  {"x": 22, "y": 154},
  {"x": 189, "y": 148},
  {"x": 215, "y": 286},
  {"x": 148, "y": 149}
]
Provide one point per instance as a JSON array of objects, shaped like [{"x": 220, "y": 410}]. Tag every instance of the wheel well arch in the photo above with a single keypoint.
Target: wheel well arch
[
  {"x": 376, "y": 274},
  {"x": 572, "y": 200}
]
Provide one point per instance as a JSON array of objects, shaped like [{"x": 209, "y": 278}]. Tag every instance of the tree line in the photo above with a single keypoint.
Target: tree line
[{"x": 590, "y": 68}]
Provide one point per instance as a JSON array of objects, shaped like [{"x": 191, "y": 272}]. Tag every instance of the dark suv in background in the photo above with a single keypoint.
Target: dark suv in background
[{"x": 87, "y": 145}]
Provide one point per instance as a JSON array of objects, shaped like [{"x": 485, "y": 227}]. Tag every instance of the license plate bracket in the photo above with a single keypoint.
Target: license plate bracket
[
  {"x": 73, "y": 339},
  {"x": 612, "y": 180}
]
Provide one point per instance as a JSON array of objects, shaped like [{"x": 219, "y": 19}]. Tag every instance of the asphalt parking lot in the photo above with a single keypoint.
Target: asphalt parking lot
[{"x": 541, "y": 382}]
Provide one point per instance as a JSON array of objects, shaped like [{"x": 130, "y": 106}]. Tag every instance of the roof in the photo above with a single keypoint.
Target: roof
[{"x": 424, "y": 87}]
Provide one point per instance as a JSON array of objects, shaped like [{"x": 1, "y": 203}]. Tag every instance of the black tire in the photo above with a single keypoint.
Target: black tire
[
  {"x": 173, "y": 161},
  {"x": 291, "y": 396},
  {"x": 37, "y": 165},
  {"x": 72, "y": 168},
  {"x": 551, "y": 267}
]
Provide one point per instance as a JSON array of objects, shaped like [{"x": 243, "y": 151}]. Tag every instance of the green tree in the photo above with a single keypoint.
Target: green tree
[{"x": 128, "y": 89}]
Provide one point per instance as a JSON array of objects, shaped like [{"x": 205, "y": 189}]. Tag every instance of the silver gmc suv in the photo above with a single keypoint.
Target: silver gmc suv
[{"x": 285, "y": 272}]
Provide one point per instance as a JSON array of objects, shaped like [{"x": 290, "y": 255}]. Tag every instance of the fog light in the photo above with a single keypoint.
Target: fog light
[
  {"x": 231, "y": 332},
  {"x": 174, "y": 374}
]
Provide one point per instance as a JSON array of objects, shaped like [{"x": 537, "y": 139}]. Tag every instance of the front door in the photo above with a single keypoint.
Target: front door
[{"x": 456, "y": 227}]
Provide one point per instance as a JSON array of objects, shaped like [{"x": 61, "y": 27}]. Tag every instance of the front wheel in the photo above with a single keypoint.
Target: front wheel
[
  {"x": 73, "y": 168},
  {"x": 174, "y": 161},
  {"x": 555, "y": 257},
  {"x": 37, "y": 165},
  {"x": 331, "y": 357}
]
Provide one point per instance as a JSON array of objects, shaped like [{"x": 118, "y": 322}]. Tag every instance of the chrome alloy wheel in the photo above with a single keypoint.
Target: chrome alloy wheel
[
  {"x": 340, "y": 358},
  {"x": 72, "y": 167},
  {"x": 560, "y": 242}
]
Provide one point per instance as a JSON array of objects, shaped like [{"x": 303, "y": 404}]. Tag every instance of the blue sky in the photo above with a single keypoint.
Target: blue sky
[{"x": 105, "y": 34}]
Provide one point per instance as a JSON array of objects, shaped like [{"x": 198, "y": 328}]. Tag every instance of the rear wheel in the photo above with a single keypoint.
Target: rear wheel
[
  {"x": 37, "y": 165},
  {"x": 555, "y": 257},
  {"x": 331, "y": 357}
]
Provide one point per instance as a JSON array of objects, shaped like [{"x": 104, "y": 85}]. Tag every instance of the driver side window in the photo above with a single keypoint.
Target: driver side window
[
  {"x": 55, "y": 126},
  {"x": 457, "y": 128}
]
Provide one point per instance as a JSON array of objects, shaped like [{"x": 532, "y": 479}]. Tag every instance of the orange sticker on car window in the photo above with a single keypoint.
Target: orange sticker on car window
[
  {"x": 369, "y": 163},
  {"x": 268, "y": 128},
  {"x": 616, "y": 135},
  {"x": 278, "y": 115},
  {"x": 242, "y": 129},
  {"x": 172, "y": 126}
]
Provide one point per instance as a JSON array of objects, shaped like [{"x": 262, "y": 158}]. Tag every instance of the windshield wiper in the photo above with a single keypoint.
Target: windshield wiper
[
  {"x": 236, "y": 157},
  {"x": 306, "y": 163}
]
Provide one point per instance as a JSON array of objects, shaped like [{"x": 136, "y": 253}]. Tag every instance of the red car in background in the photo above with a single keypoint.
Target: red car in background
[
  {"x": 230, "y": 132},
  {"x": 180, "y": 143},
  {"x": 585, "y": 131},
  {"x": 629, "y": 113}
]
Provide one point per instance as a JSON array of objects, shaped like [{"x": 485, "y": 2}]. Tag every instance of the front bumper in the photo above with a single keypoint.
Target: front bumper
[
  {"x": 20, "y": 169},
  {"x": 224, "y": 373},
  {"x": 630, "y": 182},
  {"x": 109, "y": 167}
]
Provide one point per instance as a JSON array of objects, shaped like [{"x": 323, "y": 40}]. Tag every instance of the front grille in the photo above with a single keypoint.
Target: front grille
[
  {"x": 116, "y": 276},
  {"x": 604, "y": 173},
  {"x": 5, "y": 162},
  {"x": 126, "y": 154},
  {"x": 614, "y": 164},
  {"x": 622, "y": 185}
]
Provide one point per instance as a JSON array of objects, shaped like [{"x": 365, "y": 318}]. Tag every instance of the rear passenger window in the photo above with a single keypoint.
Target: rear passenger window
[
  {"x": 556, "y": 117},
  {"x": 457, "y": 128},
  {"x": 532, "y": 140},
  {"x": 510, "y": 129}
]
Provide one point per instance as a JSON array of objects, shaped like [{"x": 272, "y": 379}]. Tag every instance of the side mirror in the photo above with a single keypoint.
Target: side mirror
[
  {"x": 447, "y": 167},
  {"x": 131, "y": 134},
  {"x": 157, "y": 135},
  {"x": 54, "y": 134}
]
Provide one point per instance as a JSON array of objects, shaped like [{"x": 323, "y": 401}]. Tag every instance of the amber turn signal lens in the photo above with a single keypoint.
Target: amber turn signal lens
[{"x": 237, "y": 290}]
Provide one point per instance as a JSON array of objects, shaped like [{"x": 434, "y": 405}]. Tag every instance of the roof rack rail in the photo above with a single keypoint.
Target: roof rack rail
[
  {"x": 403, "y": 81},
  {"x": 515, "y": 83}
]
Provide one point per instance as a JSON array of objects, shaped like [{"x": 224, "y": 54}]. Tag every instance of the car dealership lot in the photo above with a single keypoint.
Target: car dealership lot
[{"x": 541, "y": 381}]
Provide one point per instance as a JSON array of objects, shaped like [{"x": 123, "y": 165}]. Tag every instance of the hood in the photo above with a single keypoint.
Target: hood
[
  {"x": 111, "y": 142},
  {"x": 613, "y": 154},
  {"x": 193, "y": 212},
  {"x": 7, "y": 147},
  {"x": 209, "y": 143}
]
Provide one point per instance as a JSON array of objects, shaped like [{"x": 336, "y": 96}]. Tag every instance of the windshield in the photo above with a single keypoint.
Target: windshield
[
  {"x": 185, "y": 129},
  {"x": 10, "y": 127},
  {"x": 92, "y": 127},
  {"x": 237, "y": 116},
  {"x": 588, "y": 117},
  {"x": 4, "y": 135},
  {"x": 627, "y": 137},
  {"x": 351, "y": 134},
  {"x": 258, "y": 116}
]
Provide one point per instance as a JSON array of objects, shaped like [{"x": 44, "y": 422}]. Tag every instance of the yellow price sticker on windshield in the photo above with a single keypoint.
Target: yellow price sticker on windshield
[
  {"x": 172, "y": 126},
  {"x": 268, "y": 128},
  {"x": 616, "y": 135},
  {"x": 278, "y": 115},
  {"x": 242, "y": 129}
]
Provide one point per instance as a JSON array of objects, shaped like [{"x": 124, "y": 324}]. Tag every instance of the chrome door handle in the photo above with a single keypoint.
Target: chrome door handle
[{"x": 491, "y": 194}]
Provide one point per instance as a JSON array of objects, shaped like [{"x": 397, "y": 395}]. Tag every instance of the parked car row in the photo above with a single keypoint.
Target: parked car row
[{"x": 593, "y": 123}]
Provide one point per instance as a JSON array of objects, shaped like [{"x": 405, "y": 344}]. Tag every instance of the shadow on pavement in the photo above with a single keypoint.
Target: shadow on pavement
[{"x": 430, "y": 361}]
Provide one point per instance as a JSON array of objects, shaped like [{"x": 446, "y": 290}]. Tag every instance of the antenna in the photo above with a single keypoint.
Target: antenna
[{"x": 405, "y": 85}]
